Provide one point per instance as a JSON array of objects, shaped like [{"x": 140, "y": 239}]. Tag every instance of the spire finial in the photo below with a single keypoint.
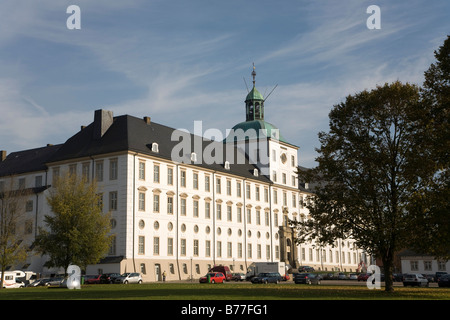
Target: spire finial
[{"x": 254, "y": 74}]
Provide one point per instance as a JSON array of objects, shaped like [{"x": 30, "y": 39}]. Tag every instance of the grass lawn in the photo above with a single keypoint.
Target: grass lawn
[{"x": 228, "y": 291}]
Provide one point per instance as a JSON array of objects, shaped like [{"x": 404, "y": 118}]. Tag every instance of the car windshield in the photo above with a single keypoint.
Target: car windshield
[{"x": 125, "y": 274}]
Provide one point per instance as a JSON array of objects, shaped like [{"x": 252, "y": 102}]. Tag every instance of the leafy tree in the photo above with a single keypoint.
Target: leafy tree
[
  {"x": 369, "y": 169},
  {"x": 431, "y": 205},
  {"x": 77, "y": 230},
  {"x": 11, "y": 215}
]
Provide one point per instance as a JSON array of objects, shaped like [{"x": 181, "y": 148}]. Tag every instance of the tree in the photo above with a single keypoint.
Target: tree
[
  {"x": 432, "y": 205},
  {"x": 369, "y": 169},
  {"x": 77, "y": 230},
  {"x": 12, "y": 211}
]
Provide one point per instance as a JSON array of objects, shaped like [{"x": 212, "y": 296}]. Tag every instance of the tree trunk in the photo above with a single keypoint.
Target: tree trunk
[{"x": 388, "y": 263}]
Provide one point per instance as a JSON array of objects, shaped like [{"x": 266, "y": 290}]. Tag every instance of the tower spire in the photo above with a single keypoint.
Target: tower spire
[{"x": 254, "y": 74}]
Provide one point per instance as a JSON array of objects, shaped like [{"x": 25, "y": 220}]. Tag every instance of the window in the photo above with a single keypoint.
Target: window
[
  {"x": 141, "y": 245},
  {"x": 155, "y": 147},
  {"x": 99, "y": 170},
  {"x": 414, "y": 265},
  {"x": 266, "y": 195},
  {"x": 275, "y": 196},
  {"x": 183, "y": 206},
  {"x": 156, "y": 245},
  {"x": 219, "y": 248},
  {"x": 141, "y": 201},
  {"x": 249, "y": 216},
  {"x": 195, "y": 180},
  {"x": 38, "y": 179},
  {"x": 238, "y": 189},
  {"x": 239, "y": 250},
  {"x": 196, "y": 208},
  {"x": 156, "y": 203},
  {"x": 249, "y": 250},
  {"x": 229, "y": 213},
  {"x": 196, "y": 247},
  {"x": 169, "y": 205},
  {"x": 29, "y": 206},
  {"x": 156, "y": 173},
  {"x": 267, "y": 218},
  {"x": 229, "y": 249},
  {"x": 207, "y": 210},
  {"x": 229, "y": 187},
  {"x": 22, "y": 183},
  {"x": 283, "y": 178},
  {"x": 183, "y": 178},
  {"x": 294, "y": 200},
  {"x": 141, "y": 170},
  {"x": 113, "y": 201},
  {"x": 257, "y": 193},
  {"x": 258, "y": 251},
  {"x": 258, "y": 217},
  {"x": 170, "y": 176},
  {"x": 207, "y": 187},
  {"x": 113, "y": 169},
  {"x": 248, "y": 194},
  {"x": 183, "y": 247},
  {"x": 219, "y": 211},
  {"x": 293, "y": 161},
  {"x": 239, "y": 214},
  {"x": 170, "y": 246},
  {"x": 207, "y": 248},
  {"x": 218, "y": 189}
]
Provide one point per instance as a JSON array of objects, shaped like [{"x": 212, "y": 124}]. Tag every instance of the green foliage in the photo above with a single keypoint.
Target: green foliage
[{"x": 77, "y": 230}]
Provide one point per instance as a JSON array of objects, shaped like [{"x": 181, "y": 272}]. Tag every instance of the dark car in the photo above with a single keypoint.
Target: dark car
[
  {"x": 307, "y": 278},
  {"x": 444, "y": 280},
  {"x": 438, "y": 274},
  {"x": 270, "y": 277},
  {"x": 109, "y": 277}
]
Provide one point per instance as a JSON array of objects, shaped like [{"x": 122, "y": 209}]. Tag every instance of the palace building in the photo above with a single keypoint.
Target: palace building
[{"x": 180, "y": 203}]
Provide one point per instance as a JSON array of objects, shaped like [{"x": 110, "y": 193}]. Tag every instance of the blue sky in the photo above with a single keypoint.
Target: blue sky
[{"x": 183, "y": 61}]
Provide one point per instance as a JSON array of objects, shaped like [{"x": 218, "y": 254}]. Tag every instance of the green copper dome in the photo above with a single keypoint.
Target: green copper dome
[
  {"x": 254, "y": 95},
  {"x": 256, "y": 129}
]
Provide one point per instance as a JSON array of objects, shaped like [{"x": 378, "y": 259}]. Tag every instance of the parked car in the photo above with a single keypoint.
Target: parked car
[
  {"x": 342, "y": 276},
  {"x": 270, "y": 277},
  {"x": 238, "y": 276},
  {"x": 444, "y": 280},
  {"x": 128, "y": 277},
  {"x": 214, "y": 277},
  {"x": 328, "y": 276},
  {"x": 415, "y": 279},
  {"x": 109, "y": 277},
  {"x": 39, "y": 282},
  {"x": 54, "y": 282},
  {"x": 398, "y": 277},
  {"x": 352, "y": 276},
  {"x": 225, "y": 270},
  {"x": 307, "y": 278},
  {"x": 93, "y": 279},
  {"x": 305, "y": 269},
  {"x": 438, "y": 274},
  {"x": 363, "y": 276}
]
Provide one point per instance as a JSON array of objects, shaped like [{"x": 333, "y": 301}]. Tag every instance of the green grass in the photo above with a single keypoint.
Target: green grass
[{"x": 246, "y": 291}]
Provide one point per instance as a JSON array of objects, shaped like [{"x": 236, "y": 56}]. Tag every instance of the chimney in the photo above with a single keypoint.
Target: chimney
[
  {"x": 147, "y": 120},
  {"x": 2, "y": 155},
  {"x": 103, "y": 119}
]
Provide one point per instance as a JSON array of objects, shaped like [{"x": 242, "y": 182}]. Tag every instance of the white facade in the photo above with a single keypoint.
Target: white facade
[{"x": 184, "y": 218}]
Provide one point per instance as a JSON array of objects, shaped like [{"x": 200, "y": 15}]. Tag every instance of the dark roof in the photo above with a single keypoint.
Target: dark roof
[
  {"x": 128, "y": 133},
  {"x": 27, "y": 161}
]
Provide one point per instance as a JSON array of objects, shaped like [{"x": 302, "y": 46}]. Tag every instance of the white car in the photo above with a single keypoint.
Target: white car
[
  {"x": 414, "y": 279},
  {"x": 126, "y": 278}
]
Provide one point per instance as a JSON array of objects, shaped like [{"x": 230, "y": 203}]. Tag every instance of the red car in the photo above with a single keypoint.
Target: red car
[
  {"x": 214, "y": 277},
  {"x": 92, "y": 279},
  {"x": 363, "y": 277}
]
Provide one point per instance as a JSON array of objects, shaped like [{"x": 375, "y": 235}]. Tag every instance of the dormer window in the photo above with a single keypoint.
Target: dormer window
[
  {"x": 193, "y": 157},
  {"x": 256, "y": 172},
  {"x": 227, "y": 165},
  {"x": 155, "y": 147}
]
